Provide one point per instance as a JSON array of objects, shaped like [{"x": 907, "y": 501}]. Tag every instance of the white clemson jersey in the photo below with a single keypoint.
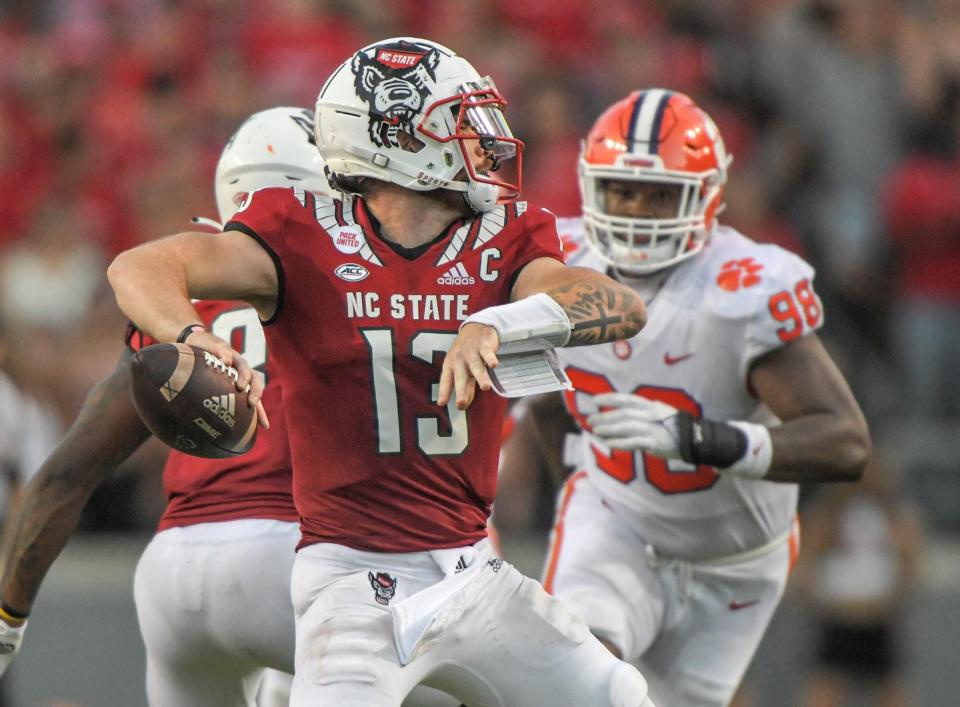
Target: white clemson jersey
[{"x": 714, "y": 314}]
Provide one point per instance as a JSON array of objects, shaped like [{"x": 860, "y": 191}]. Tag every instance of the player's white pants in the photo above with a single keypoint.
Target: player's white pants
[
  {"x": 273, "y": 688},
  {"x": 213, "y": 601},
  {"x": 695, "y": 625},
  {"x": 482, "y": 632}
]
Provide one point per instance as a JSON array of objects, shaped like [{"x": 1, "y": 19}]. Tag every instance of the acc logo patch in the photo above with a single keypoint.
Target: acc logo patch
[{"x": 351, "y": 272}]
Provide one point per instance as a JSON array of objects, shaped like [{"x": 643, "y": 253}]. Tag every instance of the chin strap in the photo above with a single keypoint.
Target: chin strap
[{"x": 481, "y": 197}]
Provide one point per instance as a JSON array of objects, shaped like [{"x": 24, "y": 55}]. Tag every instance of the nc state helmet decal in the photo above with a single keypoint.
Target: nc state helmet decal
[{"x": 394, "y": 80}]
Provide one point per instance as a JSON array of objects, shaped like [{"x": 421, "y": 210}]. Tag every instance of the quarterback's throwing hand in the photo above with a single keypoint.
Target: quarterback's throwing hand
[
  {"x": 247, "y": 379},
  {"x": 639, "y": 424},
  {"x": 465, "y": 365},
  {"x": 10, "y": 639}
]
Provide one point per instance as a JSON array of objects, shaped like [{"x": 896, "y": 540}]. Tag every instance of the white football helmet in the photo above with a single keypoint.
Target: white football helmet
[
  {"x": 661, "y": 137},
  {"x": 273, "y": 148},
  {"x": 410, "y": 111}
]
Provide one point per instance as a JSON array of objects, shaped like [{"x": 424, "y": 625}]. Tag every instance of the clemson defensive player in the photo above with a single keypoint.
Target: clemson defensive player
[{"x": 674, "y": 536}]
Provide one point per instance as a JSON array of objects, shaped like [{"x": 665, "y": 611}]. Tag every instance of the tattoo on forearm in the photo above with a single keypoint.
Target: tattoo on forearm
[{"x": 598, "y": 312}]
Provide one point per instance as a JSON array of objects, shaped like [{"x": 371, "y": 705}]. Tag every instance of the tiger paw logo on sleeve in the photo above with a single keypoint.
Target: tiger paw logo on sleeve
[{"x": 736, "y": 274}]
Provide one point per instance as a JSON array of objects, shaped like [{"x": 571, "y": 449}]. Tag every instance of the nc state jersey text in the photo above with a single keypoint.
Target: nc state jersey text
[{"x": 361, "y": 305}]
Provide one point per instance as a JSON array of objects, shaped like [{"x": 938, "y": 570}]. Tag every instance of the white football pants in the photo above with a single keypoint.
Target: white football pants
[
  {"x": 370, "y": 626},
  {"x": 213, "y": 602},
  {"x": 693, "y": 626}
]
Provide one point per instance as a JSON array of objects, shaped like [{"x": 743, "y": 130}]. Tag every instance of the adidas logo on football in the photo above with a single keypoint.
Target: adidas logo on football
[
  {"x": 223, "y": 406},
  {"x": 457, "y": 275}
]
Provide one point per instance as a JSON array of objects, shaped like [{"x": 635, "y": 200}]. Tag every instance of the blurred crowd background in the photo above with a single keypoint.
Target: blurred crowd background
[{"x": 843, "y": 117}]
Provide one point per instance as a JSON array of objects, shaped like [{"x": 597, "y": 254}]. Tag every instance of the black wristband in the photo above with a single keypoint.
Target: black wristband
[
  {"x": 709, "y": 442},
  {"x": 13, "y": 613},
  {"x": 188, "y": 330}
]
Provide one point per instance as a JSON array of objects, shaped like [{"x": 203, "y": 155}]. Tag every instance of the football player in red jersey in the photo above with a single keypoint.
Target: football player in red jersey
[
  {"x": 671, "y": 537},
  {"x": 384, "y": 309},
  {"x": 226, "y": 540}
]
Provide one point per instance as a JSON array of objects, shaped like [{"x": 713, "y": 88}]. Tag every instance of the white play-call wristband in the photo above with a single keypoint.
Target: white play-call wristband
[
  {"x": 533, "y": 323},
  {"x": 755, "y": 462}
]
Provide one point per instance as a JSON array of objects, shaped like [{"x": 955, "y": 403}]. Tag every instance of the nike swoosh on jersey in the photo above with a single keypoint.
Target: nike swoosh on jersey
[
  {"x": 737, "y": 605},
  {"x": 674, "y": 360}
]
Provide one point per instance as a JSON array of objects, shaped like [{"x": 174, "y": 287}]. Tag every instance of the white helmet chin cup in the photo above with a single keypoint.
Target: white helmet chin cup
[
  {"x": 410, "y": 111},
  {"x": 273, "y": 148},
  {"x": 481, "y": 197}
]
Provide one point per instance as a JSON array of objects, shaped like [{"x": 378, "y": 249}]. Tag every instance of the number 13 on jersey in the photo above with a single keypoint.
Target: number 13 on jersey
[{"x": 430, "y": 440}]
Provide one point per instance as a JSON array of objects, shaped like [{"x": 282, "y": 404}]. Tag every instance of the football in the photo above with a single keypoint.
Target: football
[{"x": 187, "y": 398}]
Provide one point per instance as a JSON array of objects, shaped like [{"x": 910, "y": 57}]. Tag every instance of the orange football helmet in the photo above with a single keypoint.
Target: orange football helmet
[{"x": 662, "y": 137}]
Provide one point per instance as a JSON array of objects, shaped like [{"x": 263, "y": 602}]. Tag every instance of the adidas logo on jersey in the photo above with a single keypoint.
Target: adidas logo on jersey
[
  {"x": 223, "y": 406},
  {"x": 457, "y": 275}
]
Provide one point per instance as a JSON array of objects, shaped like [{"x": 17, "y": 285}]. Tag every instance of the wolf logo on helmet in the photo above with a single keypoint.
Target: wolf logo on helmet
[
  {"x": 394, "y": 80},
  {"x": 435, "y": 98}
]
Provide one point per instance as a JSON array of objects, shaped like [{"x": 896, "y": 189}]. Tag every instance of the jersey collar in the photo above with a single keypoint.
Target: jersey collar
[{"x": 370, "y": 224}]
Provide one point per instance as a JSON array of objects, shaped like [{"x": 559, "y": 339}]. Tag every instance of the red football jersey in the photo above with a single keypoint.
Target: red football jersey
[
  {"x": 360, "y": 332},
  {"x": 253, "y": 485}
]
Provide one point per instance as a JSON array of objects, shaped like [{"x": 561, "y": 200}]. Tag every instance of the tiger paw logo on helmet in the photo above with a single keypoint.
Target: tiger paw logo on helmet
[
  {"x": 736, "y": 274},
  {"x": 394, "y": 80}
]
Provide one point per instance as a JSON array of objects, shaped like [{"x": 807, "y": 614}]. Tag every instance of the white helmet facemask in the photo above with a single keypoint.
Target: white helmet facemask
[
  {"x": 273, "y": 148},
  {"x": 411, "y": 112},
  {"x": 644, "y": 245}
]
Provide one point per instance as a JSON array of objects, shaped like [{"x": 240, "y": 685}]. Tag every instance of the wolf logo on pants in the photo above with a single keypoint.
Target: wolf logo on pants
[{"x": 384, "y": 586}]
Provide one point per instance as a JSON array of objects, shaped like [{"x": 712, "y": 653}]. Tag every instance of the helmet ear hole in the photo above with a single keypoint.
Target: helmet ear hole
[{"x": 409, "y": 143}]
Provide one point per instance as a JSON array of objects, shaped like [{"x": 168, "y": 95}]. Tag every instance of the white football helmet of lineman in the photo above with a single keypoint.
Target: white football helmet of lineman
[
  {"x": 273, "y": 148},
  {"x": 410, "y": 111}
]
